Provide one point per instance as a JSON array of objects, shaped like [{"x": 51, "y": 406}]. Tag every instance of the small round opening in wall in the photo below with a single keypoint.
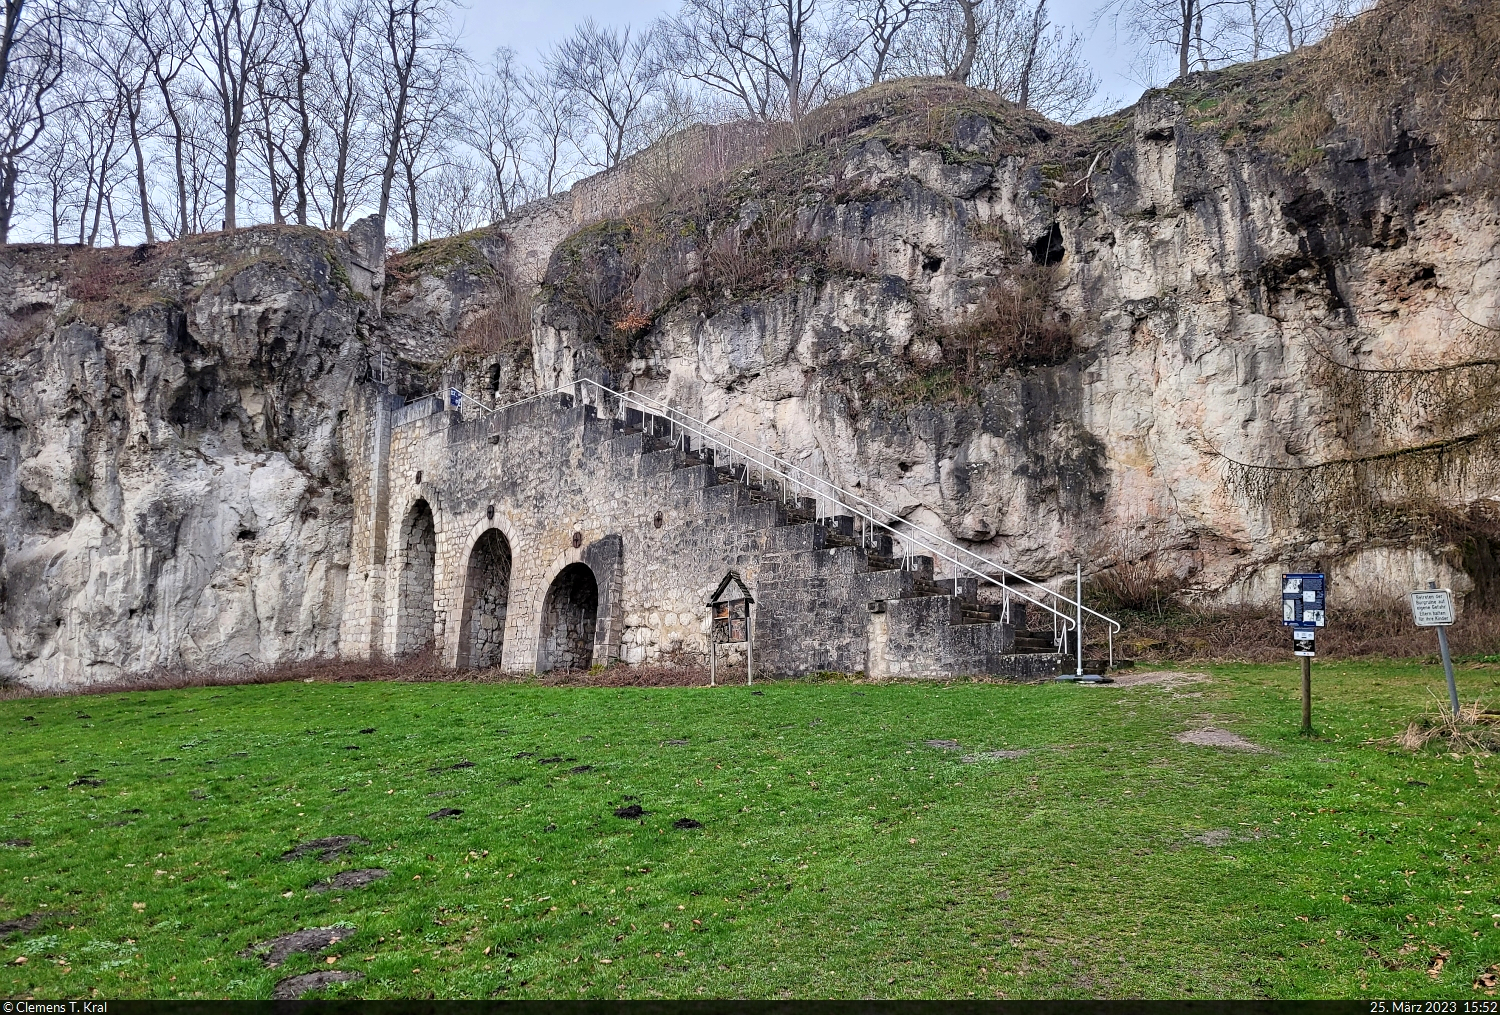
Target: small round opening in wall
[
  {"x": 489, "y": 512},
  {"x": 656, "y": 521},
  {"x": 577, "y": 540}
]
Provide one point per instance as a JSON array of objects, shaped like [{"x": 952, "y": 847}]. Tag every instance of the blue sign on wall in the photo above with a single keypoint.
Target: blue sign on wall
[
  {"x": 1302, "y": 600},
  {"x": 455, "y": 397}
]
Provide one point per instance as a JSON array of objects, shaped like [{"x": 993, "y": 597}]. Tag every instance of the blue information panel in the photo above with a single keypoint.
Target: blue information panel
[{"x": 1302, "y": 600}]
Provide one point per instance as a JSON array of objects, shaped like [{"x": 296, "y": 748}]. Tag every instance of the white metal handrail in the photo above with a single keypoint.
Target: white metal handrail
[
  {"x": 909, "y": 533},
  {"x": 857, "y": 506}
]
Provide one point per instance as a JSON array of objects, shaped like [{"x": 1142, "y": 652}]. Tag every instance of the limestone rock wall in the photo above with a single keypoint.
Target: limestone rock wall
[
  {"x": 186, "y": 466},
  {"x": 173, "y": 479},
  {"x": 1204, "y": 283}
]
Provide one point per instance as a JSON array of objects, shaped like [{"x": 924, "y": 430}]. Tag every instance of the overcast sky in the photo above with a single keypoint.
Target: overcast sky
[{"x": 528, "y": 26}]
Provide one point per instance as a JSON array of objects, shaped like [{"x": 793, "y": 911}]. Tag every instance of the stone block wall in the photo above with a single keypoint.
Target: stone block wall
[{"x": 540, "y": 536}]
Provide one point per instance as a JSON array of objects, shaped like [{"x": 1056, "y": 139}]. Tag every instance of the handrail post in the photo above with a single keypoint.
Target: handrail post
[{"x": 1078, "y": 624}]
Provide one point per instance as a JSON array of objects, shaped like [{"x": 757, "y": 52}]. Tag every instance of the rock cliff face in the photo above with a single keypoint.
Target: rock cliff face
[{"x": 1054, "y": 343}]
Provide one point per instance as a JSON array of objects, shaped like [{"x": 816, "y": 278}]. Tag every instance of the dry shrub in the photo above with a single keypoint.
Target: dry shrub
[
  {"x": 767, "y": 254},
  {"x": 505, "y": 326},
  {"x": 21, "y": 327},
  {"x": 423, "y": 667},
  {"x": 1014, "y": 325},
  {"x": 1253, "y": 634},
  {"x": 1475, "y": 729},
  {"x": 1435, "y": 61},
  {"x": 1142, "y": 585},
  {"x": 1298, "y": 139}
]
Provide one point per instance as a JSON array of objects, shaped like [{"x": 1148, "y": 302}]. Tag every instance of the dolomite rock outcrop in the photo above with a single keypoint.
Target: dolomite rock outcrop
[
  {"x": 183, "y": 425},
  {"x": 1205, "y": 285}
]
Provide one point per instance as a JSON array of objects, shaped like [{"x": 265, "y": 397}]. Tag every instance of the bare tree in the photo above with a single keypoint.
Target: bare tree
[
  {"x": 294, "y": 18},
  {"x": 343, "y": 108},
  {"x": 1033, "y": 43},
  {"x": 1018, "y": 54},
  {"x": 53, "y": 163},
  {"x": 431, "y": 123},
  {"x": 128, "y": 71},
  {"x": 710, "y": 42},
  {"x": 31, "y": 66},
  {"x": 554, "y": 127},
  {"x": 775, "y": 57},
  {"x": 238, "y": 46},
  {"x": 497, "y": 127},
  {"x": 884, "y": 21},
  {"x": 453, "y": 200},
  {"x": 971, "y": 28},
  {"x": 614, "y": 77},
  {"x": 413, "y": 40},
  {"x": 1190, "y": 30},
  {"x": 166, "y": 34}
]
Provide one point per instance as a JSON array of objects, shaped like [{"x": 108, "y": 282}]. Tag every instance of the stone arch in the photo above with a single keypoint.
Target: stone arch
[
  {"x": 486, "y": 600},
  {"x": 570, "y": 616},
  {"x": 415, "y": 596}
]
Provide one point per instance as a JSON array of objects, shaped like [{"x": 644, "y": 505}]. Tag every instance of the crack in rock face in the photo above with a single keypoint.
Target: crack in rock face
[
  {"x": 307, "y": 941},
  {"x": 330, "y": 848},
  {"x": 293, "y": 987},
  {"x": 349, "y": 879}
]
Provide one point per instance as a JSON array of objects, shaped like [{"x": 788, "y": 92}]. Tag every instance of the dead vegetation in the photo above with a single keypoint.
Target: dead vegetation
[
  {"x": 1251, "y": 634},
  {"x": 1436, "y": 64},
  {"x": 1474, "y": 729}
]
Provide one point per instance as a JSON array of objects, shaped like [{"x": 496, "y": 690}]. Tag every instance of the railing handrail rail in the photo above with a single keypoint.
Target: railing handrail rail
[
  {"x": 820, "y": 487},
  {"x": 845, "y": 498}
]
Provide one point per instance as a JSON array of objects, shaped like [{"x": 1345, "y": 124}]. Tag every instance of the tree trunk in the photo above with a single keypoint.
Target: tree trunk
[
  {"x": 1038, "y": 25},
  {"x": 971, "y": 41},
  {"x": 304, "y": 141},
  {"x": 1185, "y": 44},
  {"x": 9, "y": 171},
  {"x": 185, "y": 225},
  {"x": 411, "y": 204},
  {"x": 134, "y": 113}
]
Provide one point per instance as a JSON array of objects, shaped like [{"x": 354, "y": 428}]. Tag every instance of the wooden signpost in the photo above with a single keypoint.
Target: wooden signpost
[{"x": 1304, "y": 608}]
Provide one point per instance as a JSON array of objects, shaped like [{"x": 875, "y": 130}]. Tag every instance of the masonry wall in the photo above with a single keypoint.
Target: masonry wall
[
  {"x": 483, "y": 514},
  {"x": 658, "y": 540}
]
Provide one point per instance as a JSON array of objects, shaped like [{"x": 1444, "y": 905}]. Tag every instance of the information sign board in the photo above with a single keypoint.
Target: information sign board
[
  {"x": 1303, "y": 641},
  {"x": 1303, "y": 601},
  {"x": 1432, "y": 607}
]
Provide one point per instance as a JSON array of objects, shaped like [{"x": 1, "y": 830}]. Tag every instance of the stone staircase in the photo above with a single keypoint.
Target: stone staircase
[{"x": 830, "y": 595}]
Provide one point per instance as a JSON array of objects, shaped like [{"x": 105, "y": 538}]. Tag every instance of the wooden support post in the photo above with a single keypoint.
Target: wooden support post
[{"x": 1307, "y": 694}]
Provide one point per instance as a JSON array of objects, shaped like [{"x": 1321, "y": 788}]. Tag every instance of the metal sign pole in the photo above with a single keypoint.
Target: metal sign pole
[
  {"x": 1448, "y": 669},
  {"x": 1304, "y": 609},
  {"x": 1442, "y": 630},
  {"x": 1433, "y": 607}
]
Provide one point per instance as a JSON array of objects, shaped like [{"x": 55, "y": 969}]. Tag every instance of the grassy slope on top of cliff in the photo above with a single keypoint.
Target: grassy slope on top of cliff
[
  {"x": 105, "y": 285},
  {"x": 840, "y": 855}
]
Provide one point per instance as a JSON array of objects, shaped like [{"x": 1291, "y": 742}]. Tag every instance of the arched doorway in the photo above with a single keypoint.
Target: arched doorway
[
  {"x": 486, "y": 598},
  {"x": 414, "y": 610},
  {"x": 569, "y": 616}
]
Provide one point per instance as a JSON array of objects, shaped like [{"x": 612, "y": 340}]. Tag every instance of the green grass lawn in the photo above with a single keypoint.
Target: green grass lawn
[{"x": 839, "y": 855}]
